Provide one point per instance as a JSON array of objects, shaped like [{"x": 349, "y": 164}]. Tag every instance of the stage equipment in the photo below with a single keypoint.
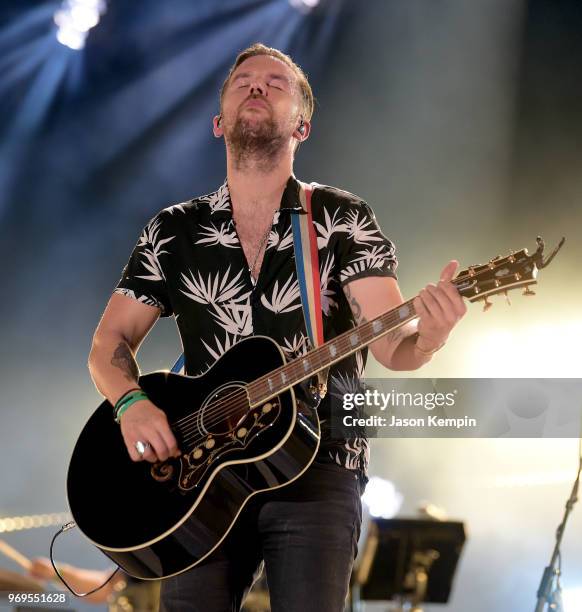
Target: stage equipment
[
  {"x": 550, "y": 590},
  {"x": 410, "y": 561}
]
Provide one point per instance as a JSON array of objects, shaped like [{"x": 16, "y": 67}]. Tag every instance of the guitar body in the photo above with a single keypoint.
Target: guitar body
[{"x": 156, "y": 521}]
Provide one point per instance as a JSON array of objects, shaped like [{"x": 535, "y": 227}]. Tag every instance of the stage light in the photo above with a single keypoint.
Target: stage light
[
  {"x": 18, "y": 523},
  {"x": 572, "y": 599},
  {"x": 382, "y": 498},
  {"x": 74, "y": 20},
  {"x": 304, "y": 5}
]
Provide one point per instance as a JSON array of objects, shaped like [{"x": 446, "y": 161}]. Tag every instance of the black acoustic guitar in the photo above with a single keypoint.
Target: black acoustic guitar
[{"x": 240, "y": 432}]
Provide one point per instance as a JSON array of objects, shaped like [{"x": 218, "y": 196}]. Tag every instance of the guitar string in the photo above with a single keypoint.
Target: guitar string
[
  {"x": 191, "y": 421},
  {"x": 337, "y": 340},
  {"x": 217, "y": 406}
]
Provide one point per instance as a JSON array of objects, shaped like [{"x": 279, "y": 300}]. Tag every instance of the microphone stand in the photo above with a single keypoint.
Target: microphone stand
[{"x": 546, "y": 594}]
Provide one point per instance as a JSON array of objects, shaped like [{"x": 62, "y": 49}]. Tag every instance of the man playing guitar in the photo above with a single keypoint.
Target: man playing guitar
[{"x": 222, "y": 265}]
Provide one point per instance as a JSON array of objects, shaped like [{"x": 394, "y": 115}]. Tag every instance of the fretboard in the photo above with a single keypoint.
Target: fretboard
[{"x": 330, "y": 352}]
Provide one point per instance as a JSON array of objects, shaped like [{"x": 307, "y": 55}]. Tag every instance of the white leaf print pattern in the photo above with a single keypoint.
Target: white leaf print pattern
[
  {"x": 354, "y": 447},
  {"x": 296, "y": 347},
  {"x": 220, "y": 348},
  {"x": 374, "y": 257},
  {"x": 285, "y": 299},
  {"x": 215, "y": 290},
  {"x": 275, "y": 240},
  {"x": 327, "y": 294},
  {"x": 150, "y": 261},
  {"x": 176, "y": 208},
  {"x": 332, "y": 226},
  {"x": 219, "y": 200},
  {"x": 144, "y": 299},
  {"x": 356, "y": 228},
  {"x": 235, "y": 318},
  {"x": 223, "y": 236}
]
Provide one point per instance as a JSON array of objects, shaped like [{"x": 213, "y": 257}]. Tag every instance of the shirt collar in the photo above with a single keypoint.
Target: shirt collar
[{"x": 221, "y": 204}]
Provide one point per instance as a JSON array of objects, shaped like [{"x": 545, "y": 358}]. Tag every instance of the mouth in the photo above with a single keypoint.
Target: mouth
[{"x": 255, "y": 103}]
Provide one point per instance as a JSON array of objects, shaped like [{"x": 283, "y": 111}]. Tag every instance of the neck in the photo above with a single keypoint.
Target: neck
[{"x": 252, "y": 189}]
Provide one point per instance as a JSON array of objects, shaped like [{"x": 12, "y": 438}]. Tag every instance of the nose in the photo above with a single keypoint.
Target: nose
[{"x": 257, "y": 88}]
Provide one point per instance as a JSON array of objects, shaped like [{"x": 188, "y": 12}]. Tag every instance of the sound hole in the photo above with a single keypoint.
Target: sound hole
[{"x": 224, "y": 410}]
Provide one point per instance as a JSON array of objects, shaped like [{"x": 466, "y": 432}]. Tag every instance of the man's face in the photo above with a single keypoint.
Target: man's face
[{"x": 261, "y": 102}]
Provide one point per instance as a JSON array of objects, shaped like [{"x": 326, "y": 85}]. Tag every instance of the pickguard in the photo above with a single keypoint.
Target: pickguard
[{"x": 198, "y": 461}]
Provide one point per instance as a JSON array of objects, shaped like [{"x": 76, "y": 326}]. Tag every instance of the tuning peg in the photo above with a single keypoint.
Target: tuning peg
[
  {"x": 486, "y": 304},
  {"x": 507, "y": 298},
  {"x": 528, "y": 291}
]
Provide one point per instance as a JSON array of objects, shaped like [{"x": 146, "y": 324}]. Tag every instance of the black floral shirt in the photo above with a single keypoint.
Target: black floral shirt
[{"x": 189, "y": 263}]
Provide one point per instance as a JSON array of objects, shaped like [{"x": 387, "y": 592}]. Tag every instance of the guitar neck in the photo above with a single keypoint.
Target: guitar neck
[{"x": 330, "y": 352}]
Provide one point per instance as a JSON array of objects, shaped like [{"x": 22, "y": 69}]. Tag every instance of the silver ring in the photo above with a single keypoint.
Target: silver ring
[{"x": 141, "y": 447}]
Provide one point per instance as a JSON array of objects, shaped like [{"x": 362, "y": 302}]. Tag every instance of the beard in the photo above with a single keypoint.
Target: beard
[{"x": 255, "y": 143}]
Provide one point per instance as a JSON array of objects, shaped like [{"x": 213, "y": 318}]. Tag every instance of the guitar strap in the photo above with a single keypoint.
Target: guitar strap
[{"x": 307, "y": 267}]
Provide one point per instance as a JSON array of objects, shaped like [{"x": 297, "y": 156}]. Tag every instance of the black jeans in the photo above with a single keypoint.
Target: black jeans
[{"x": 307, "y": 534}]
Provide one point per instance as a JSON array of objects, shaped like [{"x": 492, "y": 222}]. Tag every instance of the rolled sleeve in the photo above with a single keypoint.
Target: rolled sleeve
[
  {"x": 144, "y": 277},
  {"x": 364, "y": 250}
]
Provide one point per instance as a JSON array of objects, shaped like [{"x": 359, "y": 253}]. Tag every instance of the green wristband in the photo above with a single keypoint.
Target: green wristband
[{"x": 128, "y": 400}]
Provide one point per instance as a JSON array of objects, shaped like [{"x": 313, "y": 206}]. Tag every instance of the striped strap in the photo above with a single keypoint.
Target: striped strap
[
  {"x": 178, "y": 367},
  {"x": 307, "y": 266}
]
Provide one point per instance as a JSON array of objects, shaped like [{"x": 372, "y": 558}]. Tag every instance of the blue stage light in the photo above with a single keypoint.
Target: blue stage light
[{"x": 74, "y": 20}]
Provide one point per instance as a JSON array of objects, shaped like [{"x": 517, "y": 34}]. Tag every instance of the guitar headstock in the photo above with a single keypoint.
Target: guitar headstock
[{"x": 503, "y": 274}]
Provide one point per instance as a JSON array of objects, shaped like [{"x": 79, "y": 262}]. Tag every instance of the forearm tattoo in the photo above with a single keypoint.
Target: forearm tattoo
[
  {"x": 395, "y": 337},
  {"x": 125, "y": 361},
  {"x": 355, "y": 306}
]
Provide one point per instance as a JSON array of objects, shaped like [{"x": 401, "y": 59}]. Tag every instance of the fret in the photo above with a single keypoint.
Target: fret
[
  {"x": 317, "y": 359},
  {"x": 403, "y": 311}
]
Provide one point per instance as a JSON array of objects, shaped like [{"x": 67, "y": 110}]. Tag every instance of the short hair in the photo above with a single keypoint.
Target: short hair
[{"x": 307, "y": 102}]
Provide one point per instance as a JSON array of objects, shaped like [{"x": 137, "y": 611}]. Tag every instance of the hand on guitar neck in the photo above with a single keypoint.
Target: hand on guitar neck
[{"x": 440, "y": 307}]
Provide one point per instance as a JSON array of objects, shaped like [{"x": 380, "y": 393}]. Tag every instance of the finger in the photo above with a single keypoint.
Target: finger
[
  {"x": 449, "y": 271},
  {"x": 455, "y": 298},
  {"x": 132, "y": 451},
  {"x": 158, "y": 445},
  {"x": 448, "y": 303},
  {"x": 169, "y": 440},
  {"x": 428, "y": 296},
  {"x": 149, "y": 454},
  {"x": 419, "y": 307}
]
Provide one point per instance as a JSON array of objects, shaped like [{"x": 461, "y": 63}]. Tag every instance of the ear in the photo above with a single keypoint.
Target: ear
[
  {"x": 306, "y": 131},
  {"x": 217, "y": 127}
]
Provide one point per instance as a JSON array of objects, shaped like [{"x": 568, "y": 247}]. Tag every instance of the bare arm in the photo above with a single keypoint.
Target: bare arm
[
  {"x": 440, "y": 307},
  {"x": 370, "y": 297},
  {"x": 123, "y": 326}
]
